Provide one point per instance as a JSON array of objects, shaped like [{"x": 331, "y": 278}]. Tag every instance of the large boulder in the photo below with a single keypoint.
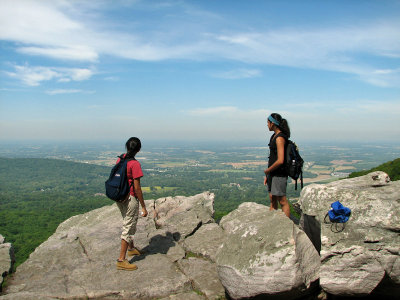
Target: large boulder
[
  {"x": 265, "y": 253},
  {"x": 6, "y": 259},
  {"x": 79, "y": 259},
  {"x": 363, "y": 258}
]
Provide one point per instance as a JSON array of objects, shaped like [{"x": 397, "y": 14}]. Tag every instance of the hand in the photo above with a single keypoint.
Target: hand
[
  {"x": 265, "y": 180},
  {"x": 144, "y": 212}
]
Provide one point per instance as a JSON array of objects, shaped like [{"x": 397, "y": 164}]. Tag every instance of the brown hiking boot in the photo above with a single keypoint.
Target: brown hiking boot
[
  {"x": 125, "y": 265},
  {"x": 133, "y": 251}
]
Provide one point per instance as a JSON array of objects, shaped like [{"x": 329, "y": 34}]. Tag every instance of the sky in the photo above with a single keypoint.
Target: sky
[{"x": 199, "y": 70}]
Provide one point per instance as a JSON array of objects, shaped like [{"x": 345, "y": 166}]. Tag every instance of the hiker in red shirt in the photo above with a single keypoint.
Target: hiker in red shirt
[{"x": 130, "y": 206}]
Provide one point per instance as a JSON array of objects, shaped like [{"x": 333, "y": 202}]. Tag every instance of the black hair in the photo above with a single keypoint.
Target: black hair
[
  {"x": 133, "y": 146},
  {"x": 283, "y": 124}
]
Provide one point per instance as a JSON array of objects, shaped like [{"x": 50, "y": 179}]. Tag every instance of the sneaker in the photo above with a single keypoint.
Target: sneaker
[
  {"x": 125, "y": 265},
  {"x": 133, "y": 251}
]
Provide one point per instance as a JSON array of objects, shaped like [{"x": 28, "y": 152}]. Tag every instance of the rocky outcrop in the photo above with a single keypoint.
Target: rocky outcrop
[
  {"x": 265, "y": 253},
  {"x": 6, "y": 259},
  {"x": 78, "y": 260},
  {"x": 186, "y": 255},
  {"x": 253, "y": 252},
  {"x": 364, "y": 257}
]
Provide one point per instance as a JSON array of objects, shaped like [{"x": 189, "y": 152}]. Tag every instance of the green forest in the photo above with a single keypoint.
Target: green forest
[
  {"x": 392, "y": 168},
  {"x": 36, "y": 195}
]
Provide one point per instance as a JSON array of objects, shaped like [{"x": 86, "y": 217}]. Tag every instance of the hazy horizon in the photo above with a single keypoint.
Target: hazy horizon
[{"x": 198, "y": 142}]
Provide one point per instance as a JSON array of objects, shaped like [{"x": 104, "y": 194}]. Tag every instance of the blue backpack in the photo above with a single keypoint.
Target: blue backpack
[
  {"x": 117, "y": 185},
  {"x": 338, "y": 214}
]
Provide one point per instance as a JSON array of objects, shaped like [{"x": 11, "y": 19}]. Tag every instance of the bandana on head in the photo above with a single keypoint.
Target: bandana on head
[{"x": 273, "y": 120}]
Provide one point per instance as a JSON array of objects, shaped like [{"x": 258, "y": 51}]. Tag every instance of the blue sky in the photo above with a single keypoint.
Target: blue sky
[{"x": 203, "y": 70}]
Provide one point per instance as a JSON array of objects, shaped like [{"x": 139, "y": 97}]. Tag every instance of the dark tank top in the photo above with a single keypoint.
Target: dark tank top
[{"x": 273, "y": 155}]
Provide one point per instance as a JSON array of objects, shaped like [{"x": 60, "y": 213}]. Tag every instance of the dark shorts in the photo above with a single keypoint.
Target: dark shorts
[{"x": 277, "y": 185}]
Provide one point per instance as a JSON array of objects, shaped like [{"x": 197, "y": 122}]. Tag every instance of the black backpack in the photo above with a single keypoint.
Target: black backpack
[
  {"x": 117, "y": 184},
  {"x": 294, "y": 162}
]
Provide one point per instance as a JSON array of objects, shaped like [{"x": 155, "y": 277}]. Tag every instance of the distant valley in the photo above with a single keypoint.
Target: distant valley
[{"x": 41, "y": 185}]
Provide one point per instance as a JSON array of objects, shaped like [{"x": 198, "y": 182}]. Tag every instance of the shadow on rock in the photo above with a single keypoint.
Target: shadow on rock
[{"x": 159, "y": 244}]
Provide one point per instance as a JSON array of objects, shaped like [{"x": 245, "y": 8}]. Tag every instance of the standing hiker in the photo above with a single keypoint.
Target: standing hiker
[
  {"x": 276, "y": 174},
  {"x": 130, "y": 206}
]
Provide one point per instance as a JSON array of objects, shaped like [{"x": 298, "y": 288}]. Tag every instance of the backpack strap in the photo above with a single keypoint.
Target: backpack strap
[
  {"x": 335, "y": 227},
  {"x": 301, "y": 179}
]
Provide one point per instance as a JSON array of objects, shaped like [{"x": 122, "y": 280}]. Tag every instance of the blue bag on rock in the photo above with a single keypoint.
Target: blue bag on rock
[{"x": 339, "y": 213}]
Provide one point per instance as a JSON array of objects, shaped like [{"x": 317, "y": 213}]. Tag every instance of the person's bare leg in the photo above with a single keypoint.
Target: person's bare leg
[
  {"x": 274, "y": 202},
  {"x": 124, "y": 247},
  {"x": 285, "y": 205}
]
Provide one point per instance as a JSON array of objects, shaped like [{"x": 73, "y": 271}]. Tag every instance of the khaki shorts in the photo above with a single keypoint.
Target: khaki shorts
[{"x": 130, "y": 214}]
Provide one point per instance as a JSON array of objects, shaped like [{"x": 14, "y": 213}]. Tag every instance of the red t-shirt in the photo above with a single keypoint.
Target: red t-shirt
[{"x": 134, "y": 171}]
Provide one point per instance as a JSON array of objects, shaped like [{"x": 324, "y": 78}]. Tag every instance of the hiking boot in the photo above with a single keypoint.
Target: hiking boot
[
  {"x": 125, "y": 265},
  {"x": 133, "y": 251}
]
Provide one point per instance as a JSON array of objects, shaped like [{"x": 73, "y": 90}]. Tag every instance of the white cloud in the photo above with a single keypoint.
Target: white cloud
[
  {"x": 384, "y": 110},
  {"x": 36, "y": 22},
  {"x": 111, "y": 78},
  {"x": 33, "y": 76},
  {"x": 78, "y": 74},
  {"x": 238, "y": 74},
  {"x": 77, "y": 53},
  {"x": 67, "y": 91},
  {"x": 383, "y": 78},
  {"x": 213, "y": 110},
  {"x": 229, "y": 112}
]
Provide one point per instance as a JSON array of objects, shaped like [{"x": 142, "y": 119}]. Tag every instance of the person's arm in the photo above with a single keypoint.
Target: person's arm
[
  {"x": 139, "y": 195},
  {"x": 280, "y": 145}
]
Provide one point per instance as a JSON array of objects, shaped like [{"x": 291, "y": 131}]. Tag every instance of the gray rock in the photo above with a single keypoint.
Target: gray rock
[
  {"x": 79, "y": 259},
  {"x": 184, "y": 214},
  {"x": 264, "y": 253},
  {"x": 185, "y": 296},
  {"x": 6, "y": 259},
  {"x": 206, "y": 241},
  {"x": 356, "y": 260},
  {"x": 204, "y": 276}
]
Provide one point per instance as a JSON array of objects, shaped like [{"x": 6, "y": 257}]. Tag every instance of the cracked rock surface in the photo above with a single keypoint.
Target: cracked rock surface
[
  {"x": 364, "y": 256},
  {"x": 79, "y": 260}
]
